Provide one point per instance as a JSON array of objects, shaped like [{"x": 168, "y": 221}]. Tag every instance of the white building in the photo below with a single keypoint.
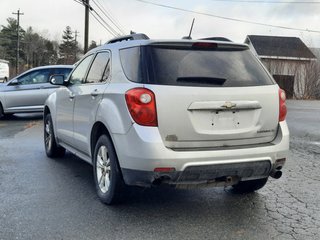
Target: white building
[{"x": 4, "y": 70}]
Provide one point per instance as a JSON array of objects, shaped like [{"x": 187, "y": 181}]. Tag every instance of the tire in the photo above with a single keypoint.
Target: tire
[
  {"x": 249, "y": 186},
  {"x": 53, "y": 150},
  {"x": 106, "y": 171}
]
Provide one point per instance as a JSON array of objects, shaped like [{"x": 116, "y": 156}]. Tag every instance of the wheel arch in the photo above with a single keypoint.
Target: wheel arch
[
  {"x": 46, "y": 110},
  {"x": 98, "y": 129},
  {"x": 1, "y": 109}
]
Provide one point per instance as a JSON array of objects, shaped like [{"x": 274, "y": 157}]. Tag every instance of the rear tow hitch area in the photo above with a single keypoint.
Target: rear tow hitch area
[{"x": 217, "y": 182}]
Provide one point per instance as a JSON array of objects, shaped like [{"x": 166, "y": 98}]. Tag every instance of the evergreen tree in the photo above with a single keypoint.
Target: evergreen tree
[
  {"x": 8, "y": 41},
  {"x": 68, "y": 48},
  {"x": 93, "y": 45}
]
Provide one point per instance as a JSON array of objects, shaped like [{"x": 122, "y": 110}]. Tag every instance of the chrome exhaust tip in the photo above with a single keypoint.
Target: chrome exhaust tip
[{"x": 276, "y": 174}]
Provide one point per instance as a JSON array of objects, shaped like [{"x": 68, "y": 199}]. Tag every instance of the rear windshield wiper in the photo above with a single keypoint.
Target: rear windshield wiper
[{"x": 202, "y": 80}]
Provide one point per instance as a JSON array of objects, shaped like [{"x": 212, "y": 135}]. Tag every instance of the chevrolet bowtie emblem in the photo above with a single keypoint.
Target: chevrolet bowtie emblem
[{"x": 229, "y": 105}]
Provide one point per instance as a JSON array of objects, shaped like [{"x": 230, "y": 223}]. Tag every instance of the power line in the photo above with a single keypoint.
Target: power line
[
  {"x": 280, "y": 2},
  {"x": 86, "y": 22},
  {"x": 18, "y": 13},
  {"x": 104, "y": 12},
  {"x": 78, "y": 1},
  {"x": 107, "y": 25},
  {"x": 104, "y": 21},
  {"x": 111, "y": 16},
  {"x": 98, "y": 17},
  {"x": 228, "y": 18},
  {"x": 103, "y": 25}
]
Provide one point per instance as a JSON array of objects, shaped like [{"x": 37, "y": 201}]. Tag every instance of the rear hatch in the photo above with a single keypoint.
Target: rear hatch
[{"x": 208, "y": 94}]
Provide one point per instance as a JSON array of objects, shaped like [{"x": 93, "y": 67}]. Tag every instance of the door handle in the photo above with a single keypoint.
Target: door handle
[{"x": 94, "y": 93}]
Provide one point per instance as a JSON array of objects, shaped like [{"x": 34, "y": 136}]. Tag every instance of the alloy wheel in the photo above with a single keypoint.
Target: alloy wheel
[
  {"x": 48, "y": 135},
  {"x": 103, "y": 169}
]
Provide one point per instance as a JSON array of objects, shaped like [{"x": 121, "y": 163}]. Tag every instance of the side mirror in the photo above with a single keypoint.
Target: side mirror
[
  {"x": 14, "y": 82},
  {"x": 57, "y": 80}
]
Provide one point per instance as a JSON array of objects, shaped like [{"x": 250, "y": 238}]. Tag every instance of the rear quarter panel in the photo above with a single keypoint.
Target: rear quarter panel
[{"x": 113, "y": 111}]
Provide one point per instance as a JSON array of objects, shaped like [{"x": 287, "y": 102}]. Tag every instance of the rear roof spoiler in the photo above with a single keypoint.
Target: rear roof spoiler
[{"x": 136, "y": 36}]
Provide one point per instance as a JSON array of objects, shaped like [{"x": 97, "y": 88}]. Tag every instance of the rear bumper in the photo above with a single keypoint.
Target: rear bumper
[
  {"x": 141, "y": 150},
  {"x": 217, "y": 175}
]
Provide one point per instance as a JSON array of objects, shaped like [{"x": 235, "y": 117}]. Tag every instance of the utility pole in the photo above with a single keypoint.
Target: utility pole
[
  {"x": 18, "y": 13},
  {"x": 75, "y": 36},
  {"x": 86, "y": 24},
  {"x": 76, "y": 45}
]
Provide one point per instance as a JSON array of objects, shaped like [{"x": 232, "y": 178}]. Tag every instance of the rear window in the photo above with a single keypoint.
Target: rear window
[
  {"x": 131, "y": 63},
  {"x": 193, "y": 67}
]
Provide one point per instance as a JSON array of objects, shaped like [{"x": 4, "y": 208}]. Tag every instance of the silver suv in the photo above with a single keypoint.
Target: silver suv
[
  {"x": 183, "y": 112},
  {"x": 28, "y": 91}
]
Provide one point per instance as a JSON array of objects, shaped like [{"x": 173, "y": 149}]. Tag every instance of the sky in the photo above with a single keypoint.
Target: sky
[{"x": 50, "y": 18}]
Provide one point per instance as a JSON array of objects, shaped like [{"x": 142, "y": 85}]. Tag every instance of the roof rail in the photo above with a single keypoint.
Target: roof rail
[
  {"x": 217, "y": 39},
  {"x": 136, "y": 36}
]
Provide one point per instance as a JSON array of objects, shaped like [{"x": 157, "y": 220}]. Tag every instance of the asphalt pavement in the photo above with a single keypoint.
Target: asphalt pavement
[{"x": 42, "y": 198}]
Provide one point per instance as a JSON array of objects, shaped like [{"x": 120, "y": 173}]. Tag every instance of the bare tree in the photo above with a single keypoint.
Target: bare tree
[{"x": 310, "y": 86}]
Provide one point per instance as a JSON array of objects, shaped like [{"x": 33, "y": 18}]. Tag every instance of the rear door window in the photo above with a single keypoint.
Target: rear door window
[
  {"x": 79, "y": 74},
  {"x": 100, "y": 68},
  {"x": 131, "y": 63}
]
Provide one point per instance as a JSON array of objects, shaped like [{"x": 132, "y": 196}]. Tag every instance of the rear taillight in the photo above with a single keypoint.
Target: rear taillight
[
  {"x": 282, "y": 105},
  {"x": 141, "y": 103}
]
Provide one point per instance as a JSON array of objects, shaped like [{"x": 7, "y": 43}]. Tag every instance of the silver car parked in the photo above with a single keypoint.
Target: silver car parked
[
  {"x": 182, "y": 112},
  {"x": 28, "y": 91}
]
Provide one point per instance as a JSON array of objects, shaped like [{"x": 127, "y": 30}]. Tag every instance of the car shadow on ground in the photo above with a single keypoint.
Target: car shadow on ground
[
  {"x": 165, "y": 207},
  {"x": 81, "y": 173},
  {"x": 10, "y": 125},
  {"x": 22, "y": 117}
]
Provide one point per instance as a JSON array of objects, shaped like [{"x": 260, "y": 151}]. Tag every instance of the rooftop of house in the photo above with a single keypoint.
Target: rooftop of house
[
  {"x": 275, "y": 46},
  {"x": 316, "y": 52}
]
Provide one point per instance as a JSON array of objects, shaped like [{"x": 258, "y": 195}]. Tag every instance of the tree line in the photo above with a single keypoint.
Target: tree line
[{"x": 36, "y": 50}]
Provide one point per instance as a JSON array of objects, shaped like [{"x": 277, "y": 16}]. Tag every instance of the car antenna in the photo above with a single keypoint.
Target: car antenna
[{"x": 189, "y": 37}]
